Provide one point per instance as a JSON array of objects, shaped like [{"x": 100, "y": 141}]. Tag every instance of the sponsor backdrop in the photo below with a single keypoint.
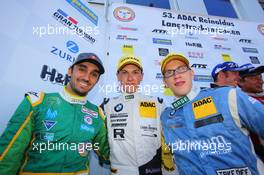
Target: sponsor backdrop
[
  {"x": 40, "y": 40},
  {"x": 151, "y": 33}
]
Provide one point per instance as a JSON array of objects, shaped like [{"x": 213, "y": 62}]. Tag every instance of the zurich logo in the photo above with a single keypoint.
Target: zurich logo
[{"x": 72, "y": 47}]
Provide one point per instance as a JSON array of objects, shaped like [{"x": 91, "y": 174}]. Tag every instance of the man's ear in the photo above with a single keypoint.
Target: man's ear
[
  {"x": 70, "y": 71},
  {"x": 165, "y": 84},
  {"x": 220, "y": 75},
  {"x": 192, "y": 73},
  {"x": 117, "y": 76},
  {"x": 142, "y": 76}
]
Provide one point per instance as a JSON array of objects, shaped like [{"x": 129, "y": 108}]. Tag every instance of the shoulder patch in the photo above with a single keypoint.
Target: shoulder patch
[
  {"x": 160, "y": 100},
  {"x": 35, "y": 98}
]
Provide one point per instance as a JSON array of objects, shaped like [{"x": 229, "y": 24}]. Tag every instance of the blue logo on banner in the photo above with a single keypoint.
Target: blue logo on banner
[
  {"x": 250, "y": 50},
  {"x": 72, "y": 47},
  {"x": 77, "y": 4},
  {"x": 161, "y": 41}
]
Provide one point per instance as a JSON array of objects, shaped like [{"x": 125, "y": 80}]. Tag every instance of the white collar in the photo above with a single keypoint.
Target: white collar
[{"x": 72, "y": 98}]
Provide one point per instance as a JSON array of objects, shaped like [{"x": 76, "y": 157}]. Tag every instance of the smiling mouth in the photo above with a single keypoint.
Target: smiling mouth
[
  {"x": 84, "y": 84},
  {"x": 179, "y": 83}
]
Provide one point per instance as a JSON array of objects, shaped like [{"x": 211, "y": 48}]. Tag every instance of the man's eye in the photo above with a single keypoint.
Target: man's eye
[
  {"x": 95, "y": 74},
  {"x": 136, "y": 72},
  {"x": 169, "y": 72},
  {"x": 81, "y": 69},
  {"x": 124, "y": 72}
]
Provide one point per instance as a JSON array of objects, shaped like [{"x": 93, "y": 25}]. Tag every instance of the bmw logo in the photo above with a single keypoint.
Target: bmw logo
[
  {"x": 172, "y": 113},
  {"x": 118, "y": 107}
]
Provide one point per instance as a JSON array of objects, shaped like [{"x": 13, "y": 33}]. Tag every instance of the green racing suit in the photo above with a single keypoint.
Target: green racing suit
[{"x": 53, "y": 133}]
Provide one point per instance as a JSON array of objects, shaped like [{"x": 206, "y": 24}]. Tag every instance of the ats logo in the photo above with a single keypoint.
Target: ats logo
[
  {"x": 199, "y": 66},
  {"x": 247, "y": 41},
  {"x": 160, "y": 31}
]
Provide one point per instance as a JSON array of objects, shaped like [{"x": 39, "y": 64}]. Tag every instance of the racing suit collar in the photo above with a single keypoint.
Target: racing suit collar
[
  {"x": 73, "y": 99},
  {"x": 181, "y": 101}
]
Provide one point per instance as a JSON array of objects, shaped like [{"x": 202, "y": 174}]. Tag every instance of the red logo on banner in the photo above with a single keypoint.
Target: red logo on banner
[{"x": 124, "y": 14}]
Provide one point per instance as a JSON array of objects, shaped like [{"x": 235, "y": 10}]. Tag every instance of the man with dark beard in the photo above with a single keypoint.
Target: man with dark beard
[{"x": 53, "y": 133}]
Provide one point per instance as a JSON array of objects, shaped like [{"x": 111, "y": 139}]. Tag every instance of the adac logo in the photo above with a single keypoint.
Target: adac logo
[
  {"x": 261, "y": 29},
  {"x": 124, "y": 14},
  {"x": 204, "y": 107},
  {"x": 202, "y": 102},
  {"x": 147, "y": 104}
]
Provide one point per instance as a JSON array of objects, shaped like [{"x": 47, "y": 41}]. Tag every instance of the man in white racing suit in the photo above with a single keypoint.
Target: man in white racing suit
[{"x": 133, "y": 122}]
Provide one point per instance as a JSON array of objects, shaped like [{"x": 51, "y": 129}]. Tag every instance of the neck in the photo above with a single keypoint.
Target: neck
[
  {"x": 186, "y": 98},
  {"x": 72, "y": 97}
]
